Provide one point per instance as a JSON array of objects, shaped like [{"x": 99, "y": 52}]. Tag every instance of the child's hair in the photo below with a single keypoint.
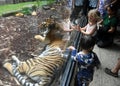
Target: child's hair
[
  {"x": 87, "y": 42},
  {"x": 65, "y": 12},
  {"x": 95, "y": 13}
]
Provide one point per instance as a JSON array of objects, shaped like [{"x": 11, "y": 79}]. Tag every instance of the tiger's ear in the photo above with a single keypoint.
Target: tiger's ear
[
  {"x": 9, "y": 67},
  {"x": 39, "y": 37}
]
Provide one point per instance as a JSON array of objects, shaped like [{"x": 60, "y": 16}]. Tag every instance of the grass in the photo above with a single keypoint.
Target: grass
[{"x": 14, "y": 7}]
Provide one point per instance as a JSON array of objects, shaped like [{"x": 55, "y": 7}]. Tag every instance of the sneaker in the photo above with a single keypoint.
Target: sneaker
[{"x": 109, "y": 72}]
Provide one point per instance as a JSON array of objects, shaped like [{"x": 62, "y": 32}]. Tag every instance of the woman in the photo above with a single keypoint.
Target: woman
[
  {"x": 105, "y": 34},
  {"x": 103, "y": 4}
]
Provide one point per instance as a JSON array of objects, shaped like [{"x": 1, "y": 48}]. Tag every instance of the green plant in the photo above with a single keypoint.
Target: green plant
[
  {"x": 27, "y": 10},
  {"x": 13, "y": 7},
  {"x": 44, "y": 2}
]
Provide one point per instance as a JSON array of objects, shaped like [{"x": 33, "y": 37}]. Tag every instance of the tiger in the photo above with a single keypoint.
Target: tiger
[{"x": 44, "y": 68}]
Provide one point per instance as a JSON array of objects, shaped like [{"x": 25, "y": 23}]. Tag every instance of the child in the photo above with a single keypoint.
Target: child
[
  {"x": 91, "y": 27},
  {"x": 65, "y": 23},
  {"x": 86, "y": 59}
]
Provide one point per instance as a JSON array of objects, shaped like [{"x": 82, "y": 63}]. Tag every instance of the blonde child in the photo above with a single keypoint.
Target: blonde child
[
  {"x": 65, "y": 23},
  {"x": 91, "y": 27}
]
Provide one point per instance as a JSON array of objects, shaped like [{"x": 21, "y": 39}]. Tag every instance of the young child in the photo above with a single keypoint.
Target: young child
[
  {"x": 91, "y": 27},
  {"x": 86, "y": 59},
  {"x": 65, "y": 23}
]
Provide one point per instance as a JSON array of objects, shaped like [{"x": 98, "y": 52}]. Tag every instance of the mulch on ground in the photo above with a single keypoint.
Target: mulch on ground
[{"x": 17, "y": 37}]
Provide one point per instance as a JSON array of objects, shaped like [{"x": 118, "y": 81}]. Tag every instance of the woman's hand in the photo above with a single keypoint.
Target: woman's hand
[
  {"x": 111, "y": 30},
  {"x": 105, "y": 7}
]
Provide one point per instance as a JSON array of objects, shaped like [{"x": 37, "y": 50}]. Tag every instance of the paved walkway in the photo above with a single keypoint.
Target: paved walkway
[{"x": 108, "y": 58}]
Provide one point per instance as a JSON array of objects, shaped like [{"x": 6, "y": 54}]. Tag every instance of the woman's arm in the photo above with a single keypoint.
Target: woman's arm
[
  {"x": 100, "y": 22},
  {"x": 111, "y": 30},
  {"x": 112, "y": 2}
]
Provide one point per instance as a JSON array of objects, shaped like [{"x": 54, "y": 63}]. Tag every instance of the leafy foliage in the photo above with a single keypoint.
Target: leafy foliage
[
  {"x": 44, "y": 2},
  {"x": 28, "y": 9}
]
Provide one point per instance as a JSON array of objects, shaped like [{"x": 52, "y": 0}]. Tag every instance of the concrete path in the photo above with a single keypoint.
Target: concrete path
[{"x": 108, "y": 58}]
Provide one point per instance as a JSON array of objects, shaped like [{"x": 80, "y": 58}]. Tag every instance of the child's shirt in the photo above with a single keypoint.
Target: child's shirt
[
  {"x": 86, "y": 59},
  {"x": 90, "y": 28},
  {"x": 89, "y": 60},
  {"x": 66, "y": 26}
]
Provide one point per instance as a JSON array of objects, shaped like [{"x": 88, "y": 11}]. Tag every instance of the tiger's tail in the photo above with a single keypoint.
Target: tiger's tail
[{"x": 22, "y": 80}]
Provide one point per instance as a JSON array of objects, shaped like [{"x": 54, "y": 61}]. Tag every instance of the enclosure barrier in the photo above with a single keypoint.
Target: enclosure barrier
[
  {"x": 70, "y": 66},
  {"x": 69, "y": 72}
]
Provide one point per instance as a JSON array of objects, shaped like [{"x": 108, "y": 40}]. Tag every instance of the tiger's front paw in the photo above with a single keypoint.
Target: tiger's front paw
[
  {"x": 39, "y": 37},
  {"x": 9, "y": 67}
]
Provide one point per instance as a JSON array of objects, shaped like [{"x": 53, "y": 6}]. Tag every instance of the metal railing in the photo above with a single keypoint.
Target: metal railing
[{"x": 69, "y": 68}]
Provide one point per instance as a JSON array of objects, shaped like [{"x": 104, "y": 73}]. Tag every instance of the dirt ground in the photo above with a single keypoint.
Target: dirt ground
[{"x": 17, "y": 37}]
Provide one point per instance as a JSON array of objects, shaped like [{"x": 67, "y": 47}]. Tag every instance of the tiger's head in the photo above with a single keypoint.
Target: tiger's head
[{"x": 50, "y": 29}]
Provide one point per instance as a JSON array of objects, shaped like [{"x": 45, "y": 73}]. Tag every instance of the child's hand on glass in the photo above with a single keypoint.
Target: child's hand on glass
[
  {"x": 71, "y": 48},
  {"x": 73, "y": 27},
  {"x": 78, "y": 27},
  {"x": 73, "y": 51}
]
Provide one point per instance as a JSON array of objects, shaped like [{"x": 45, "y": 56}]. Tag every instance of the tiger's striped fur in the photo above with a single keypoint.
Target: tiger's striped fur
[{"x": 40, "y": 71}]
